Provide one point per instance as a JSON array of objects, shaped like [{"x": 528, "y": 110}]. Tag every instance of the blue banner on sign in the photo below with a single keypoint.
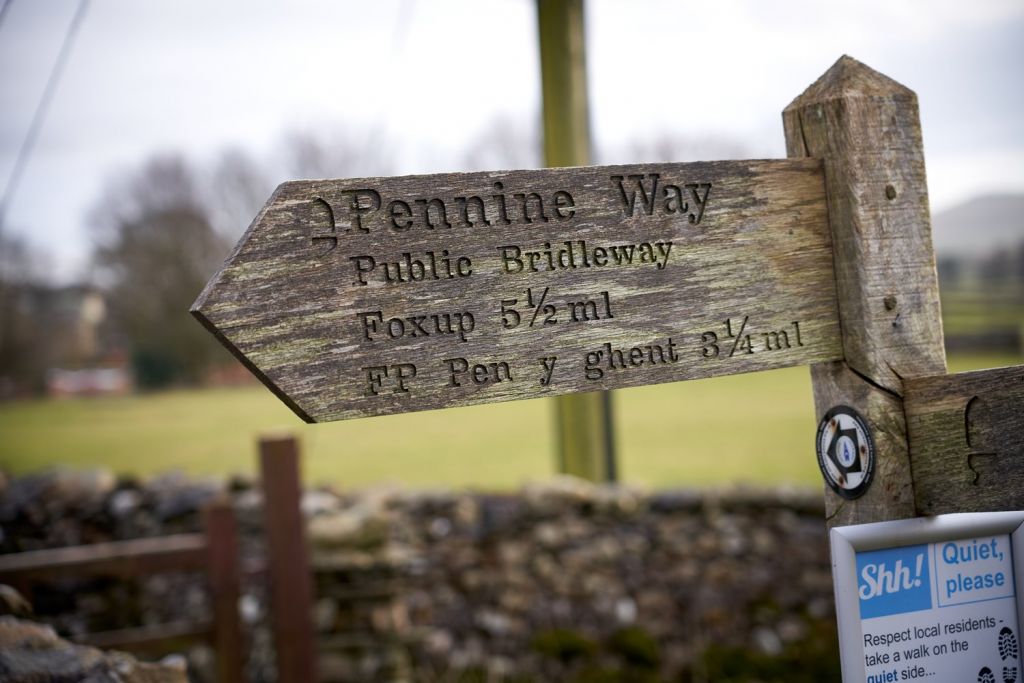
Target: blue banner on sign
[{"x": 893, "y": 581}]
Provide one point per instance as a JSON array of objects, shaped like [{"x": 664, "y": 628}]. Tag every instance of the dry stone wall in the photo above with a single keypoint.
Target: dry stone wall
[
  {"x": 31, "y": 653},
  {"x": 562, "y": 581}
]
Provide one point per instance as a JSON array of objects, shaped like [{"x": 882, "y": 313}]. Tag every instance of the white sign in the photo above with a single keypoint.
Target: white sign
[{"x": 931, "y": 599}]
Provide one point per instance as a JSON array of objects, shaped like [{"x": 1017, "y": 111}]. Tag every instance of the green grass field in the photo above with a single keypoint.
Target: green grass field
[{"x": 756, "y": 429}]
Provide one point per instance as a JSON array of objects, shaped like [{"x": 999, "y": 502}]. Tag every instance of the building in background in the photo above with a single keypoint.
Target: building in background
[{"x": 57, "y": 340}]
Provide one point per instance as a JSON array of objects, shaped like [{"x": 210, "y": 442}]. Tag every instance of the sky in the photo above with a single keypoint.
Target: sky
[{"x": 429, "y": 78}]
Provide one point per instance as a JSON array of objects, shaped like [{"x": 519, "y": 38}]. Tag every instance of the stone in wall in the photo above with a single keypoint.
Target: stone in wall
[
  {"x": 566, "y": 580},
  {"x": 32, "y": 653},
  {"x": 560, "y": 581}
]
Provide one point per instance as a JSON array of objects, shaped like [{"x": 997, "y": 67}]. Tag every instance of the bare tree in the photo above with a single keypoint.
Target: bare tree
[
  {"x": 334, "y": 154},
  {"x": 511, "y": 143},
  {"x": 23, "y": 341},
  {"x": 161, "y": 230},
  {"x": 666, "y": 147},
  {"x": 155, "y": 247},
  {"x": 238, "y": 186},
  {"x": 504, "y": 143}
]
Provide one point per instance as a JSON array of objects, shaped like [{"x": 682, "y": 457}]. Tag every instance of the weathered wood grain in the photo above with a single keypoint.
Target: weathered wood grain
[
  {"x": 866, "y": 129},
  {"x": 165, "y": 638},
  {"x": 967, "y": 441},
  {"x": 736, "y": 276},
  {"x": 121, "y": 559},
  {"x": 214, "y": 552}
]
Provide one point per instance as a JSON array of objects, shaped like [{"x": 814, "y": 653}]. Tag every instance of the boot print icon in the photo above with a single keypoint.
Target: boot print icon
[{"x": 1009, "y": 652}]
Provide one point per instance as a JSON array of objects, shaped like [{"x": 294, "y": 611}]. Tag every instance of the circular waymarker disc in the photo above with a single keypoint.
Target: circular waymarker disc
[{"x": 846, "y": 452}]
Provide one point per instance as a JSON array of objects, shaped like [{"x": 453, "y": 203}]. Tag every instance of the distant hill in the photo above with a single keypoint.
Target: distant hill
[{"x": 979, "y": 226}]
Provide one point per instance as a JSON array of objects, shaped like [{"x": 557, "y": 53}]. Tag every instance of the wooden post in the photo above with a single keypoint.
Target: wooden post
[
  {"x": 585, "y": 435},
  {"x": 866, "y": 128},
  {"x": 225, "y": 587},
  {"x": 967, "y": 441},
  {"x": 563, "y": 67},
  {"x": 291, "y": 581}
]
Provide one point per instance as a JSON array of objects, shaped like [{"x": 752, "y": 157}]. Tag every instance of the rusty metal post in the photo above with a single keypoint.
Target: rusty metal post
[
  {"x": 291, "y": 579},
  {"x": 221, "y": 530}
]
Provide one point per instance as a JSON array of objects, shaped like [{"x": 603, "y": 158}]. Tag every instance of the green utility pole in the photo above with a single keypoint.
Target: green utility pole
[{"x": 585, "y": 438}]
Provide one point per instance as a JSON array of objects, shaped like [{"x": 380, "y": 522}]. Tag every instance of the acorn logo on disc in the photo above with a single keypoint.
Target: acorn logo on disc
[{"x": 846, "y": 452}]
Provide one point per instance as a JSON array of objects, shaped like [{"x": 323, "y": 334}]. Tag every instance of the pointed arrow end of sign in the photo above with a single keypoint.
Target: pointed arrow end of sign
[
  {"x": 197, "y": 313},
  {"x": 849, "y": 78},
  {"x": 220, "y": 286}
]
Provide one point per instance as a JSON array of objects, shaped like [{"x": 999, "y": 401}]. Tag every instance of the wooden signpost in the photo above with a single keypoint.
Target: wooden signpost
[
  {"x": 366, "y": 297},
  {"x": 373, "y": 296},
  {"x": 966, "y": 436},
  {"x": 352, "y": 298}
]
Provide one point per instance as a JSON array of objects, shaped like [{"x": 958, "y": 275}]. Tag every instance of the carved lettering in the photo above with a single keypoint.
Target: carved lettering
[
  {"x": 401, "y": 215},
  {"x": 565, "y": 206},
  {"x": 362, "y": 203},
  {"x": 321, "y": 207},
  {"x": 440, "y": 216},
  {"x": 972, "y": 418},
  {"x": 428, "y": 266},
  {"x": 674, "y": 202},
  {"x": 581, "y": 254},
  {"x": 548, "y": 364},
  {"x": 525, "y": 204},
  {"x": 461, "y": 370},
  {"x": 610, "y": 359},
  {"x": 385, "y": 295},
  {"x": 536, "y": 308},
  {"x": 376, "y": 327},
  {"x": 463, "y": 204},
  {"x": 647, "y": 195},
  {"x": 699, "y": 199},
  {"x": 775, "y": 340},
  {"x": 730, "y": 340},
  {"x": 464, "y": 211},
  {"x": 638, "y": 194},
  {"x": 583, "y": 311},
  {"x": 395, "y": 375}
]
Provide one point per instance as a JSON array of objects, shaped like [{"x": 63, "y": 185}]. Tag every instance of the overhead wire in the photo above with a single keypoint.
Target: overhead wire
[
  {"x": 6, "y": 5},
  {"x": 25, "y": 151}
]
